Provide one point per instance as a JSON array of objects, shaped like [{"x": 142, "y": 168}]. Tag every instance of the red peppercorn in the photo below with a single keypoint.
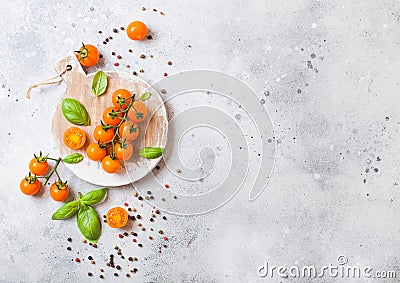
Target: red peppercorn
[
  {"x": 165, "y": 74},
  {"x": 166, "y": 186},
  {"x": 120, "y": 236},
  {"x": 165, "y": 238},
  {"x": 116, "y": 64},
  {"x": 94, "y": 245},
  {"x": 77, "y": 260},
  {"x": 134, "y": 240},
  {"x": 126, "y": 204}
]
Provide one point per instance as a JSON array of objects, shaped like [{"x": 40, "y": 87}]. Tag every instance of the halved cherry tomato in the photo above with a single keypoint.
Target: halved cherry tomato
[
  {"x": 110, "y": 165},
  {"x": 123, "y": 151},
  {"x": 121, "y": 99},
  {"x": 30, "y": 185},
  {"x": 59, "y": 191},
  {"x": 129, "y": 131},
  {"x": 74, "y": 138},
  {"x": 88, "y": 55},
  {"x": 101, "y": 135},
  {"x": 39, "y": 165},
  {"x": 95, "y": 152},
  {"x": 138, "y": 112},
  {"x": 117, "y": 217},
  {"x": 136, "y": 30},
  {"x": 111, "y": 116}
]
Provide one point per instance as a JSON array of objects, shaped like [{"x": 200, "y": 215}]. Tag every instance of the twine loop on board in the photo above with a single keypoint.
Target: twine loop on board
[{"x": 54, "y": 80}]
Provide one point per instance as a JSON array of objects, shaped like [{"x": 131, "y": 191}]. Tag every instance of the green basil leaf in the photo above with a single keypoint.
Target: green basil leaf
[
  {"x": 94, "y": 197},
  {"x": 66, "y": 211},
  {"x": 145, "y": 96},
  {"x": 89, "y": 223},
  {"x": 73, "y": 158},
  {"x": 99, "y": 83},
  {"x": 75, "y": 112},
  {"x": 151, "y": 152}
]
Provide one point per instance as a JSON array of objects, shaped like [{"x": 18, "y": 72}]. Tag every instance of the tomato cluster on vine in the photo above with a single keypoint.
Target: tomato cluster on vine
[{"x": 117, "y": 131}]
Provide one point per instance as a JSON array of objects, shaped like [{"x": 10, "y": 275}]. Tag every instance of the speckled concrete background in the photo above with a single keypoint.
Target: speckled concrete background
[{"x": 329, "y": 72}]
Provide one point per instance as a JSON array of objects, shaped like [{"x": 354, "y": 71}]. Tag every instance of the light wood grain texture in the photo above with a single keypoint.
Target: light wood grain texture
[{"x": 153, "y": 131}]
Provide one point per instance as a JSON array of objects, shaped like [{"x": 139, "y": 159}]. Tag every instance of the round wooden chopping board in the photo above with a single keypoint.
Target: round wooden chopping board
[{"x": 153, "y": 131}]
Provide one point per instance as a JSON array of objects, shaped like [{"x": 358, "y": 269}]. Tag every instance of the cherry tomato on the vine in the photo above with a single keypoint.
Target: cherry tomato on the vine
[
  {"x": 129, "y": 131},
  {"x": 136, "y": 30},
  {"x": 59, "y": 191},
  {"x": 123, "y": 151},
  {"x": 88, "y": 55},
  {"x": 95, "y": 152},
  {"x": 101, "y": 135},
  {"x": 110, "y": 165},
  {"x": 39, "y": 165},
  {"x": 121, "y": 99},
  {"x": 30, "y": 185},
  {"x": 138, "y": 112},
  {"x": 111, "y": 116}
]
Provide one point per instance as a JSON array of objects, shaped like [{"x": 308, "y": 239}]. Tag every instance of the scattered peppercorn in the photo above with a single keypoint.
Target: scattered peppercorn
[
  {"x": 134, "y": 240},
  {"x": 115, "y": 30},
  {"x": 126, "y": 234},
  {"x": 100, "y": 32},
  {"x": 146, "y": 197},
  {"x": 128, "y": 275},
  {"x": 90, "y": 274},
  {"x": 134, "y": 234},
  {"x": 94, "y": 245},
  {"x": 113, "y": 53},
  {"x": 84, "y": 241},
  {"x": 142, "y": 56},
  {"x": 151, "y": 220},
  {"x": 141, "y": 71},
  {"x": 69, "y": 248},
  {"x": 130, "y": 258},
  {"x": 69, "y": 240},
  {"x": 116, "y": 274},
  {"x": 90, "y": 257},
  {"x": 140, "y": 245},
  {"x": 149, "y": 37},
  {"x": 157, "y": 211},
  {"x": 128, "y": 66},
  {"x": 101, "y": 276},
  {"x": 164, "y": 217},
  {"x": 162, "y": 13},
  {"x": 143, "y": 9},
  {"x": 77, "y": 260},
  {"x": 120, "y": 236},
  {"x": 119, "y": 56},
  {"x": 165, "y": 238},
  {"x": 132, "y": 218},
  {"x": 135, "y": 259},
  {"x": 163, "y": 199},
  {"x": 122, "y": 28},
  {"x": 165, "y": 74},
  {"x": 134, "y": 73},
  {"x": 166, "y": 186},
  {"x": 118, "y": 267},
  {"x": 101, "y": 270},
  {"x": 169, "y": 63},
  {"x": 110, "y": 37},
  {"x": 150, "y": 238},
  {"x": 130, "y": 50},
  {"x": 100, "y": 55},
  {"x": 92, "y": 262},
  {"x": 116, "y": 64},
  {"x": 161, "y": 232}
]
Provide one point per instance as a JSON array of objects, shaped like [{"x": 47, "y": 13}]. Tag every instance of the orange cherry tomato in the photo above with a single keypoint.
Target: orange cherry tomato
[
  {"x": 95, "y": 152},
  {"x": 136, "y": 30},
  {"x": 123, "y": 151},
  {"x": 39, "y": 165},
  {"x": 121, "y": 99},
  {"x": 138, "y": 112},
  {"x": 74, "y": 138},
  {"x": 129, "y": 131},
  {"x": 111, "y": 117},
  {"x": 101, "y": 135},
  {"x": 59, "y": 191},
  {"x": 110, "y": 165},
  {"x": 117, "y": 217},
  {"x": 30, "y": 185},
  {"x": 88, "y": 55}
]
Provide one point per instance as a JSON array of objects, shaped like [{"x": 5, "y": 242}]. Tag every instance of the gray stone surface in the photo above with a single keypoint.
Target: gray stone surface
[{"x": 329, "y": 74}]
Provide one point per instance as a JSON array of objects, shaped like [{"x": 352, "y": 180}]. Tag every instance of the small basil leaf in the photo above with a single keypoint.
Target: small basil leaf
[
  {"x": 66, "y": 211},
  {"x": 94, "y": 197},
  {"x": 89, "y": 223},
  {"x": 151, "y": 152},
  {"x": 99, "y": 83},
  {"x": 73, "y": 158},
  {"x": 145, "y": 96},
  {"x": 75, "y": 112}
]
